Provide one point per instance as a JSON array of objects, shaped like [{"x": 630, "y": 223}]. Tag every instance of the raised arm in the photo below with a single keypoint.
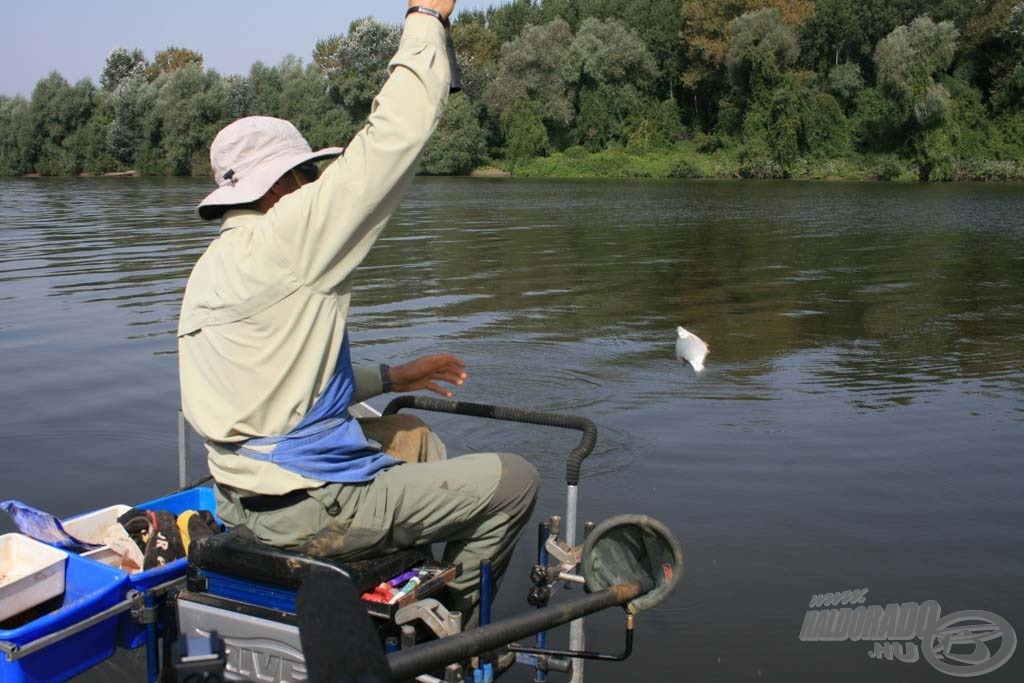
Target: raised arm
[{"x": 325, "y": 229}]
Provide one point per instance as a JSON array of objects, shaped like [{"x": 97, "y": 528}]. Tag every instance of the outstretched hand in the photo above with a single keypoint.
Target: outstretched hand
[{"x": 426, "y": 372}]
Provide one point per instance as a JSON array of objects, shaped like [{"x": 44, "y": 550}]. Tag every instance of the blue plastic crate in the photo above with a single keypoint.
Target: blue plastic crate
[
  {"x": 89, "y": 588},
  {"x": 130, "y": 634}
]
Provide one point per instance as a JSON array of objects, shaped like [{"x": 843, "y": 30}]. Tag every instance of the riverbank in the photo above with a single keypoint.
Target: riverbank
[{"x": 688, "y": 162}]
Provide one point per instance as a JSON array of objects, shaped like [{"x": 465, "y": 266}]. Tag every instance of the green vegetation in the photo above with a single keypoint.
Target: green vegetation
[{"x": 866, "y": 89}]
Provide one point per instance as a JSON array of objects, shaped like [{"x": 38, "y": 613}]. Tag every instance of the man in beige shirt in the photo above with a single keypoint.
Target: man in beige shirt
[{"x": 265, "y": 367}]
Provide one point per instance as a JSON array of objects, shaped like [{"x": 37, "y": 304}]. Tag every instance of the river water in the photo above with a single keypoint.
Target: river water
[{"x": 859, "y": 424}]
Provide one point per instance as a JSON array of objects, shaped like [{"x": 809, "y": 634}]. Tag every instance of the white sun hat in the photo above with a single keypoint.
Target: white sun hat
[{"x": 249, "y": 155}]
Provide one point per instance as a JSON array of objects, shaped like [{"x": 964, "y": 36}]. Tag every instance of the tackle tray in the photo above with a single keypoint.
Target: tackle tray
[{"x": 441, "y": 574}]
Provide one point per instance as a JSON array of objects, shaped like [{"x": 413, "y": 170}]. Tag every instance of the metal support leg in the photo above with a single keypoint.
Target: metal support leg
[
  {"x": 576, "y": 635},
  {"x": 182, "y": 451},
  {"x": 544, "y": 529},
  {"x": 152, "y": 654}
]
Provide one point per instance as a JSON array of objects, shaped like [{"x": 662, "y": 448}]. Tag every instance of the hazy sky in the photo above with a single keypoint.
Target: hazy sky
[{"x": 74, "y": 37}]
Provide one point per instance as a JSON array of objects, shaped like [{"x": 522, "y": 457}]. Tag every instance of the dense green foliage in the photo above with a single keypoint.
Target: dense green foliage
[{"x": 886, "y": 89}]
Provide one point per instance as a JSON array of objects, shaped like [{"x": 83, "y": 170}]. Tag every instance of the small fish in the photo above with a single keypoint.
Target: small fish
[{"x": 691, "y": 349}]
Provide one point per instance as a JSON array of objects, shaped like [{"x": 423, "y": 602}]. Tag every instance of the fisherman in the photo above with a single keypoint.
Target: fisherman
[{"x": 265, "y": 364}]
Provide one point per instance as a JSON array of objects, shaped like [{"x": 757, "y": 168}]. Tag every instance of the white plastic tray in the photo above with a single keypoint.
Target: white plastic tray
[
  {"x": 30, "y": 574},
  {"x": 90, "y": 528}
]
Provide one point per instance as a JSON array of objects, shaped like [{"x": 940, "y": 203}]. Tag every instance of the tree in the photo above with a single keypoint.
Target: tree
[
  {"x": 306, "y": 103},
  {"x": 907, "y": 61},
  {"x": 172, "y": 59},
  {"x": 121, "y": 64},
  {"x": 190, "y": 109},
  {"x": 845, "y": 81},
  {"x": 761, "y": 50},
  {"x": 655, "y": 125},
  {"x": 362, "y": 58},
  {"x": 126, "y": 112},
  {"x": 325, "y": 53},
  {"x": 58, "y": 110},
  {"x": 606, "y": 51},
  {"x": 459, "y": 144},
  {"x": 613, "y": 71},
  {"x": 771, "y": 130},
  {"x": 236, "y": 96},
  {"x": 525, "y": 133},
  {"x": 509, "y": 21},
  {"x": 18, "y": 145},
  {"x": 996, "y": 36},
  {"x": 848, "y": 30},
  {"x": 705, "y": 38},
  {"x": 657, "y": 22},
  {"x": 263, "y": 91},
  {"x": 477, "y": 48},
  {"x": 533, "y": 69}
]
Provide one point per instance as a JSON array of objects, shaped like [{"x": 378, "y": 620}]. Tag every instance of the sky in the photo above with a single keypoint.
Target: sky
[{"x": 74, "y": 37}]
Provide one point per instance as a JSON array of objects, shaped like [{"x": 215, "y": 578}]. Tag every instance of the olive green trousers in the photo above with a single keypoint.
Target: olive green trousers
[{"x": 476, "y": 504}]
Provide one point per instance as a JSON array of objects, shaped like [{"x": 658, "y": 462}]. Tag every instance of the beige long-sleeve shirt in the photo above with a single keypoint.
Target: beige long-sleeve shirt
[{"x": 264, "y": 312}]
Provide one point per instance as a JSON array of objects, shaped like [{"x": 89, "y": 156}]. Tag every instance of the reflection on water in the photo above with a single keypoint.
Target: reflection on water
[{"x": 858, "y": 424}]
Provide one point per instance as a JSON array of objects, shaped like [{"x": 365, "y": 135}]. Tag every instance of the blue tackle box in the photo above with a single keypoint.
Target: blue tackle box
[
  {"x": 131, "y": 634},
  {"x": 90, "y": 588}
]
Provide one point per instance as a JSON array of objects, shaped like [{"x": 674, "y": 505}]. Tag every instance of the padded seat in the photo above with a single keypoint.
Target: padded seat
[{"x": 230, "y": 554}]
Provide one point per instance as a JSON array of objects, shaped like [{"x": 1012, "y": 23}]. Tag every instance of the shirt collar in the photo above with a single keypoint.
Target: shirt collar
[{"x": 236, "y": 218}]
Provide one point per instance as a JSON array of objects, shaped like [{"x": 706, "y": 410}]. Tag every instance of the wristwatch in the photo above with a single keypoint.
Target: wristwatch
[
  {"x": 419, "y": 9},
  {"x": 385, "y": 378}
]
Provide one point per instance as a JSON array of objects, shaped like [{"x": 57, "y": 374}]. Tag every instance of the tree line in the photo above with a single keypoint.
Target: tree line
[{"x": 926, "y": 89}]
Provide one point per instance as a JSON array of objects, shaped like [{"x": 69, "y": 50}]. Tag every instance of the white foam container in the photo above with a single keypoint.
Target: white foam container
[
  {"x": 90, "y": 528},
  {"x": 30, "y": 574}
]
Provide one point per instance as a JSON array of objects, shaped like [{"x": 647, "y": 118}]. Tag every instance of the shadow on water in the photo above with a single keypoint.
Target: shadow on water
[{"x": 858, "y": 424}]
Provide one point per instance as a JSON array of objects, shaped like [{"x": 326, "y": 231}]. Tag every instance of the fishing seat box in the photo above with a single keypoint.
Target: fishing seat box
[
  {"x": 89, "y": 589},
  {"x": 246, "y": 591},
  {"x": 261, "y": 575}
]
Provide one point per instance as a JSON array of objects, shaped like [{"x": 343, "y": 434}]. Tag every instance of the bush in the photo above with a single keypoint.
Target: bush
[
  {"x": 845, "y": 81},
  {"x": 825, "y": 130},
  {"x": 525, "y": 134},
  {"x": 711, "y": 143},
  {"x": 874, "y": 124},
  {"x": 890, "y": 167},
  {"x": 992, "y": 171},
  {"x": 937, "y": 155},
  {"x": 683, "y": 167},
  {"x": 761, "y": 167}
]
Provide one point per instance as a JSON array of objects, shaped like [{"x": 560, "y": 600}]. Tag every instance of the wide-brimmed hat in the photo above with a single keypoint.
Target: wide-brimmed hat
[{"x": 249, "y": 155}]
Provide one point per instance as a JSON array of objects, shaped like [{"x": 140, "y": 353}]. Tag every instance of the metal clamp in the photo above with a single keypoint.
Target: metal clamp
[
  {"x": 432, "y": 613},
  {"x": 140, "y": 613},
  {"x": 566, "y": 555}
]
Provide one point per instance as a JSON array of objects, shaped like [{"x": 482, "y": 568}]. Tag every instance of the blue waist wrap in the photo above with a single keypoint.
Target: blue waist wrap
[{"x": 328, "y": 444}]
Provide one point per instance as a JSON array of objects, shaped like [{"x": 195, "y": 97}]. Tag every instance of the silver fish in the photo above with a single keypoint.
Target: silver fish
[{"x": 691, "y": 349}]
